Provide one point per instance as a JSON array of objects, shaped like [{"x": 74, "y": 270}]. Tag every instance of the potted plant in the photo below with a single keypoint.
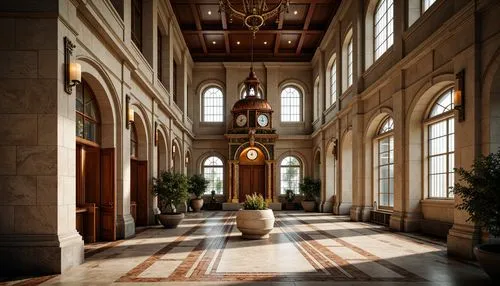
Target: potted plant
[
  {"x": 481, "y": 199},
  {"x": 197, "y": 186},
  {"x": 171, "y": 189},
  {"x": 255, "y": 221},
  {"x": 310, "y": 189},
  {"x": 290, "y": 197}
]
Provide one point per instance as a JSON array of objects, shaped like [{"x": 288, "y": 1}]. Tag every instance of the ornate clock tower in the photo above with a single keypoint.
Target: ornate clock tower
[{"x": 251, "y": 147}]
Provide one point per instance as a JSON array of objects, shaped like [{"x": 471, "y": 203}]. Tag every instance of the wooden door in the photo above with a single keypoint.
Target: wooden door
[
  {"x": 108, "y": 195},
  {"x": 252, "y": 180},
  {"x": 142, "y": 193},
  {"x": 133, "y": 189}
]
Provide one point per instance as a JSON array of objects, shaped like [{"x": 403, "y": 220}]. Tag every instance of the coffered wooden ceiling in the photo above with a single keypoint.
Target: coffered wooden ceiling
[{"x": 291, "y": 37}]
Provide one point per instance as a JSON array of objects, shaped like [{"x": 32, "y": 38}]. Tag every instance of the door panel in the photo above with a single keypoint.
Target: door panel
[
  {"x": 108, "y": 195},
  {"x": 133, "y": 189},
  {"x": 142, "y": 193},
  {"x": 252, "y": 180}
]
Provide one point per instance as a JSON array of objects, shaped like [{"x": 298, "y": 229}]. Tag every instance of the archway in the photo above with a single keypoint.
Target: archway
[
  {"x": 95, "y": 216},
  {"x": 317, "y": 165},
  {"x": 330, "y": 176},
  {"x": 161, "y": 153},
  {"x": 139, "y": 194},
  {"x": 344, "y": 203},
  {"x": 252, "y": 173}
]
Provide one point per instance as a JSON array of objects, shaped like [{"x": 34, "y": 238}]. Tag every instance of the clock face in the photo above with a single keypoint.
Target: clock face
[
  {"x": 263, "y": 120},
  {"x": 241, "y": 120},
  {"x": 252, "y": 154}
]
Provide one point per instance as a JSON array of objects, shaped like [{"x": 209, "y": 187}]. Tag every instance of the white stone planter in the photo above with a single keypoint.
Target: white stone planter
[{"x": 255, "y": 224}]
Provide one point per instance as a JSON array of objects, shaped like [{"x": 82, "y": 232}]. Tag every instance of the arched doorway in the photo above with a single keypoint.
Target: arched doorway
[
  {"x": 330, "y": 176},
  {"x": 252, "y": 173},
  {"x": 344, "y": 203},
  {"x": 95, "y": 193},
  {"x": 139, "y": 193},
  {"x": 317, "y": 165}
]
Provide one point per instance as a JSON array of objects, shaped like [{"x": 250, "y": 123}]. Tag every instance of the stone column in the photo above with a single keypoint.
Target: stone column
[
  {"x": 149, "y": 30},
  {"x": 269, "y": 181},
  {"x": 230, "y": 181},
  {"x": 360, "y": 209},
  {"x": 236, "y": 181},
  {"x": 38, "y": 152}
]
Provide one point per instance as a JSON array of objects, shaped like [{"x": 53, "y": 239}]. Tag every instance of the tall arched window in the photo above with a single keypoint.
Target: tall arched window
[
  {"x": 441, "y": 147},
  {"x": 333, "y": 82},
  {"x": 349, "y": 62},
  {"x": 290, "y": 169},
  {"x": 385, "y": 148},
  {"x": 213, "y": 171},
  {"x": 87, "y": 114},
  {"x": 291, "y": 104},
  {"x": 213, "y": 105},
  {"x": 384, "y": 26}
]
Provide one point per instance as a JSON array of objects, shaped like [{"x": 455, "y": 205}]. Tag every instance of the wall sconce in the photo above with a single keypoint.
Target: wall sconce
[
  {"x": 173, "y": 149},
  {"x": 130, "y": 112},
  {"x": 156, "y": 133},
  {"x": 459, "y": 95},
  {"x": 72, "y": 71},
  {"x": 186, "y": 160}
]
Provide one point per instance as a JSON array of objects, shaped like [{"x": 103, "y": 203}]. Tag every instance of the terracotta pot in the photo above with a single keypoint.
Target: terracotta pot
[
  {"x": 255, "y": 224},
  {"x": 309, "y": 206},
  {"x": 197, "y": 204},
  {"x": 488, "y": 256},
  {"x": 171, "y": 220}
]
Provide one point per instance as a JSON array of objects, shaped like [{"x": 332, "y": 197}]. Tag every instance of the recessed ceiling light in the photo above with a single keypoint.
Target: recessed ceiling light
[
  {"x": 209, "y": 12},
  {"x": 295, "y": 12},
  {"x": 214, "y": 42},
  {"x": 289, "y": 42},
  {"x": 238, "y": 42},
  {"x": 265, "y": 43}
]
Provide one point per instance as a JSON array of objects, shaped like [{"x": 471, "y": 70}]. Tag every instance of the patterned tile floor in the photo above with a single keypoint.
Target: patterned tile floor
[{"x": 304, "y": 249}]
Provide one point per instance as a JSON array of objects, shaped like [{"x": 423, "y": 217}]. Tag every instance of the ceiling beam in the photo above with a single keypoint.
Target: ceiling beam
[
  {"x": 307, "y": 22},
  {"x": 220, "y": 32},
  {"x": 277, "y": 40},
  {"x": 226, "y": 35},
  {"x": 197, "y": 21}
]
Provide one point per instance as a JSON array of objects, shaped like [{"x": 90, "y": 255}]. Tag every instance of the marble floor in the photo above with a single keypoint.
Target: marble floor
[{"x": 304, "y": 249}]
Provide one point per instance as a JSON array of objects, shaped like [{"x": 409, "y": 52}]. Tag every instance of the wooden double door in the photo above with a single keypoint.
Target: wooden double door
[
  {"x": 252, "y": 179},
  {"x": 139, "y": 191},
  {"x": 95, "y": 193}
]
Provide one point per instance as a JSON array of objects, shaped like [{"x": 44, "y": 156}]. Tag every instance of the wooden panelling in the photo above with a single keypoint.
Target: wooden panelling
[{"x": 108, "y": 195}]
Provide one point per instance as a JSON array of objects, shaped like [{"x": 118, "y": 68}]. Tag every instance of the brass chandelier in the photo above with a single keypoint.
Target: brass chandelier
[{"x": 254, "y": 13}]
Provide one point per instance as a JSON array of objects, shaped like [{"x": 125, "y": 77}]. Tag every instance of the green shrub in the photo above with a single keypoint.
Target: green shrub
[
  {"x": 255, "y": 202},
  {"x": 481, "y": 193},
  {"x": 310, "y": 188},
  {"x": 290, "y": 195},
  {"x": 171, "y": 189},
  {"x": 197, "y": 185}
]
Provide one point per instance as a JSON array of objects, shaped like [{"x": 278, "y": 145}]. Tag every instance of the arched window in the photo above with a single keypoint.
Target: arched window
[
  {"x": 134, "y": 145},
  {"x": 385, "y": 148},
  {"x": 290, "y": 104},
  {"x": 333, "y": 82},
  {"x": 316, "y": 105},
  {"x": 213, "y": 171},
  {"x": 426, "y": 4},
  {"x": 290, "y": 174},
  {"x": 384, "y": 26},
  {"x": 87, "y": 114},
  {"x": 441, "y": 147},
  {"x": 213, "y": 105}
]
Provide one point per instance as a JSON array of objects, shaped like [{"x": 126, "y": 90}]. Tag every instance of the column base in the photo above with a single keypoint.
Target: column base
[
  {"x": 235, "y": 201},
  {"x": 326, "y": 207},
  {"x": 355, "y": 213},
  {"x": 125, "y": 226},
  {"x": 342, "y": 209},
  {"x": 406, "y": 222},
  {"x": 40, "y": 253},
  {"x": 462, "y": 239}
]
